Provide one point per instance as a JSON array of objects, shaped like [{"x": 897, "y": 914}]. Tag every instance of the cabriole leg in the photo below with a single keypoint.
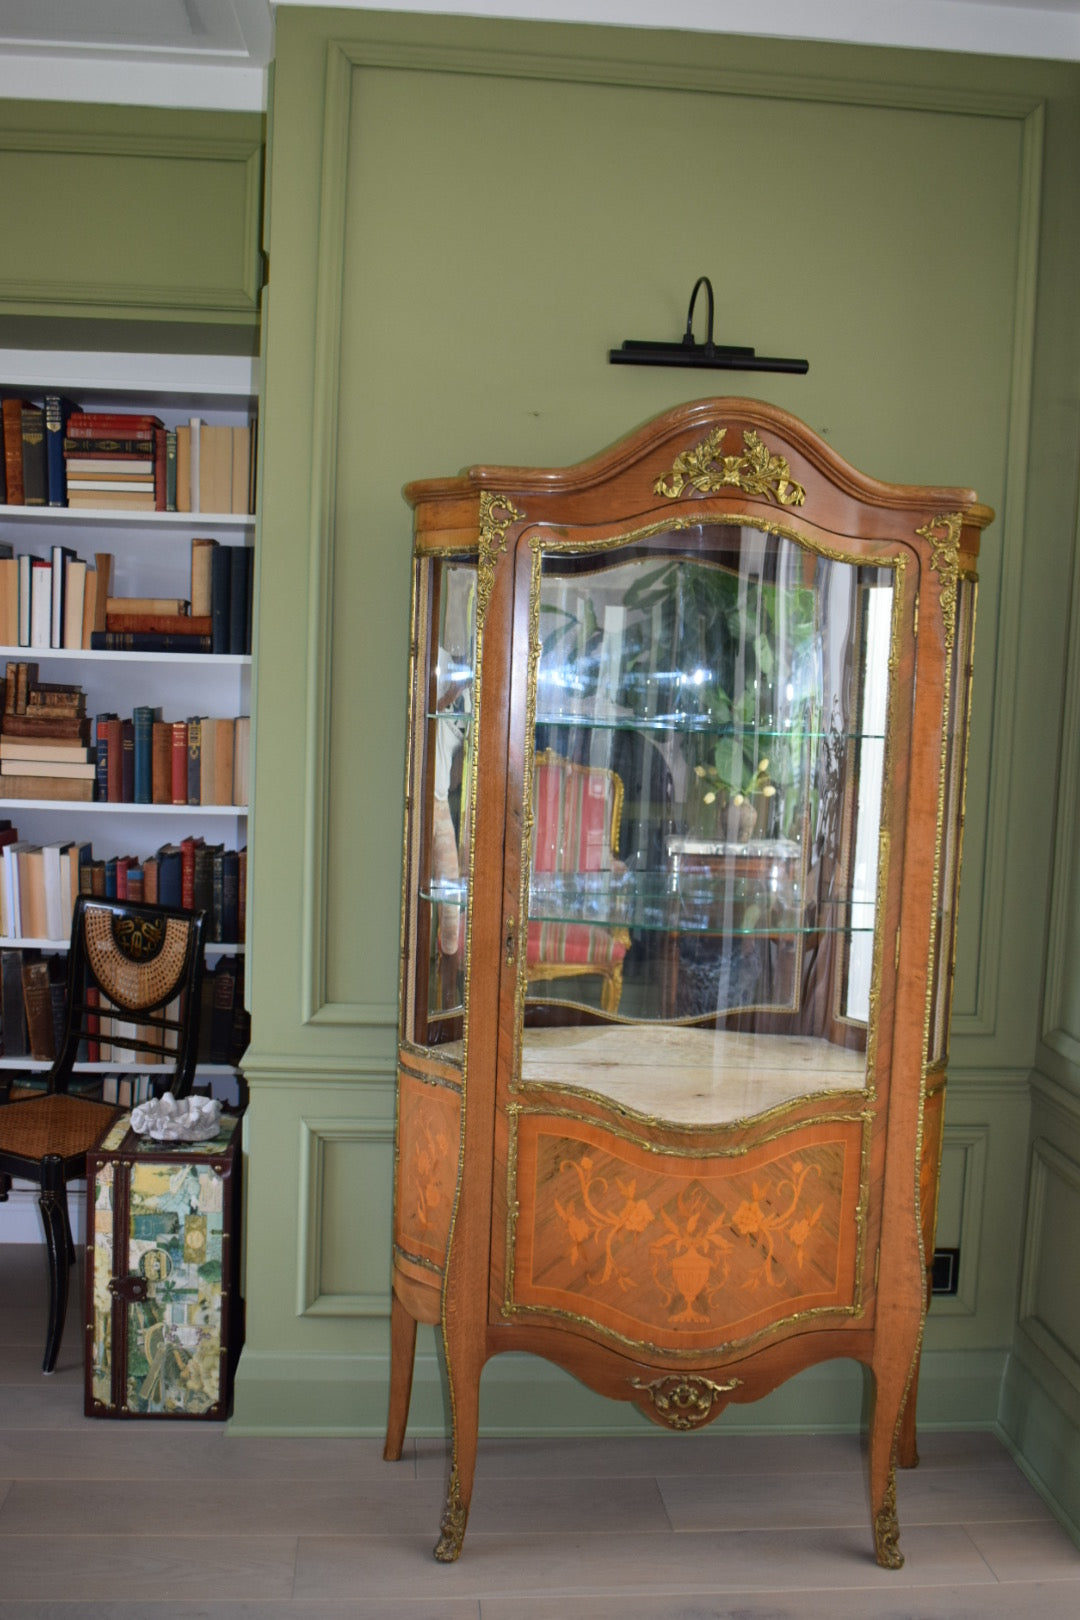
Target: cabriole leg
[
  {"x": 888, "y": 1395},
  {"x": 402, "y": 1360},
  {"x": 463, "y": 1376}
]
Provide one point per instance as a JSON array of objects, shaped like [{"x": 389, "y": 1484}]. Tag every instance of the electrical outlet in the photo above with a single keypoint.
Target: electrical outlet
[{"x": 945, "y": 1275}]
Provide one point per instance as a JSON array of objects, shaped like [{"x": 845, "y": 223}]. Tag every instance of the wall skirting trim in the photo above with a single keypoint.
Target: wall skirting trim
[{"x": 342, "y": 1394}]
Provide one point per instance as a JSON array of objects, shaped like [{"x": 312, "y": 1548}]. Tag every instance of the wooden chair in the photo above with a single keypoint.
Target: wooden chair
[
  {"x": 577, "y": 810},
  {"x": 146, "y": 962}
]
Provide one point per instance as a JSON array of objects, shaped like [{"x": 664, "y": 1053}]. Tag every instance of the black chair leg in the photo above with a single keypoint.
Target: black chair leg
[{"x": 53, "y": 1202}]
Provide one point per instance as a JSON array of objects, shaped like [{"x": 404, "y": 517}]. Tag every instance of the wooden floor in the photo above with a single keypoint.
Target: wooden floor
[{"x": 160, "y": 1521}]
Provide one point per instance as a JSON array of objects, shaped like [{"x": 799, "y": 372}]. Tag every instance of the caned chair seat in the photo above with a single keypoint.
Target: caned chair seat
[
  {"x": 66, "y": 1126},
  {"x": 133, "y": 978}
]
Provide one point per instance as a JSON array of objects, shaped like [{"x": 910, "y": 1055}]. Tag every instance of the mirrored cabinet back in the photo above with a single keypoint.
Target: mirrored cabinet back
[{"x": 687, "y": 737}]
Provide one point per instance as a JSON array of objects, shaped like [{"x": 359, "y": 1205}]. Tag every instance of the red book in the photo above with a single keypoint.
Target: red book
[
  {"x": 122, "y": 864},
  {"x": 159, "y": 469},
  {"x": 179, "y": 762},
  {"x": 187, "y": 872},
  {"x": 111, "y": 424},
  {"x": 114, "y": 758}
]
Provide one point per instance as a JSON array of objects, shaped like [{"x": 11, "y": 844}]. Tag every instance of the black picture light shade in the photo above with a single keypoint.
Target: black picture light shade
[{"x": 707, "y": 356}]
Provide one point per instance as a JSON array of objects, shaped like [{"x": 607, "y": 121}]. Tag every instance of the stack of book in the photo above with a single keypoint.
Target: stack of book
[
  {"x": 44, "y": 739},
  {"x": 152, "y": 624},
  {"x": 115, "y": 460}
]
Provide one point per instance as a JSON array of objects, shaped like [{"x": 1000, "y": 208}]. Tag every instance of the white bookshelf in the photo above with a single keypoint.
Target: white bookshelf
[{"x": 151, "y": 557}]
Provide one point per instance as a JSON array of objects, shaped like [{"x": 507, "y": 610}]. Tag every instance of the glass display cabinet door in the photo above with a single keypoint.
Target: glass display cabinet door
[
  {"x": 441, "y": 772},
  {"x": 705, "y": 792}
]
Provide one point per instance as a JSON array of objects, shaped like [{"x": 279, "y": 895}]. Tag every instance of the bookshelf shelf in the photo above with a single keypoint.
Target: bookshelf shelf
[
  {"x": 151, "y": 556},
  {"x": 111, "y": 517}
]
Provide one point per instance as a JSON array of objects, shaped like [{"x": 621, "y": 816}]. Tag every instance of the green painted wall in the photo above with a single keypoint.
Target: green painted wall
[
  {"x": 463, "y": 218},
  {"x": 128, "y": 213}
]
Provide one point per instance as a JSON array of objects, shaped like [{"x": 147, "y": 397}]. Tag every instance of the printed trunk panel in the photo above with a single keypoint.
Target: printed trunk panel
[{"x": 161, "y": 1262}]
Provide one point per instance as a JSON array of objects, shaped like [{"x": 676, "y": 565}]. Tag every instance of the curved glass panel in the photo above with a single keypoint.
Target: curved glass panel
[
  {"x": 437, "y": 852},
  {"x": 705, "y": 798}
]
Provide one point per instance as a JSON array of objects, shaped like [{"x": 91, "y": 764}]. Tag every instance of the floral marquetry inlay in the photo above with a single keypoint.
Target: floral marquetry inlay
[
  {"x": 652, "y": 1245},
  {"x": 756, "y": 471}
]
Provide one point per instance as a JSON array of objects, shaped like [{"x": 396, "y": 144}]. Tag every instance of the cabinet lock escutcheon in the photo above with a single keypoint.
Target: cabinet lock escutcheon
[{"x": 511, "y": 941}]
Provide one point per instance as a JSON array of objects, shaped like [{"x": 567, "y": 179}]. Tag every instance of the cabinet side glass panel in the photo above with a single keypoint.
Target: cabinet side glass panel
[
  {"x": 441, "y": 771},
  {"x": 706, "y": 790},
  {"x": 954, "y": 766}
]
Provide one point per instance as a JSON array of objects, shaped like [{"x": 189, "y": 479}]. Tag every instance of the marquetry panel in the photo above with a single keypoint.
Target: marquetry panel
[
  {"x": 429, "y": 1128},
  {"x": 686, "y": 1251}
]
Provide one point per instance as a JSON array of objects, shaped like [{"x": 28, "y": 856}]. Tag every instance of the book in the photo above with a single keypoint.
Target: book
[
  {"x": 62, "y": 557},
  {"x": 31, "y": 913},
  {"x": 241, "y": 470},
  {"x": 42, "y": 726},
  {"x": 168, "y": 606},
  {"x": 150, "y": 880},
  {"x": 179, "y": 762},
  {"x": 203, "y": 877},
  {"x": 125, "y": 424},
  {"x": 194, "y": 775},
  {"x": 239, "y": 590},
  {"x": 121, "y": 483},
  {"x": 195, "y": 433},
  {"x": 40, "y": 602},
  {"x": 57, "y": 921},
  {"x": 143, "y": 717},
  {"x": 58, "y": 1001},
  {"x": 221, "y": 1016},
  {"x": 170, "y": 876},
  {"x": 89, "y": 604},
  {"x": 160, "y": 470},
  {"x": 241, "y": 759},
  {"x": 188, "y": 847},
  {"x": 58, "y": 409},
  {"x": 35, "y": 469},
  {"x": 110, "y": 501},
  {"x": 161, "y": 763},
  {"x": 156, "y": 624},
  {"x": 11, "y": 415},
  {"x": 230, "y": 896},
  {"x": 88, "y": 451},
  {"x": 37, "y": 1001},
  {"x": 47, "y": 767},
  {"x": 110, "y": 734},
  {"x": 147, "y": 641},
  {"x": 103, "y": 566},
  {"x": 183, "y": 469},
  {"x": 9, "y": 601},
  {"x": 224, "y": 738},
  {"x": 220, "y": 612},
  {"x": 26, "y": 563},
  {"x": 202, "y": 551},
  {"x": 207, "y": 759},
  {"x": 19, "y": 748},
  {"x": 127, "y": 761},
  {"x": 215, "y": 468},
  {"x": 170, "y": 469},
  {"x": 12, "y": 1006},
  {"x": 48, "y": 787},
  {"x": 74, "y": 603}
]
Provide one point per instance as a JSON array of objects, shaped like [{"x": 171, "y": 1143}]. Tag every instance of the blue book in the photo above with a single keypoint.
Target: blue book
[
  {"x": 169, "y": 876},
  {"x": 220, "y": 613},
  {"x": 110, "y": 878},
  {"x": 57, "y": 410},
  {"x": 143, "y": 717},
  {"x": 239, "y": 596},
  {"x": 102, "y": 757}
]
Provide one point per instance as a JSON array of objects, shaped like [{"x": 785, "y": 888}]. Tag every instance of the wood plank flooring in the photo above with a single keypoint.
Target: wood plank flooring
[{"x": 148, "y": 1520}]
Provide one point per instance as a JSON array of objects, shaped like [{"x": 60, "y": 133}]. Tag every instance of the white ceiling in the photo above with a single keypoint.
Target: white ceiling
[{"x": 213, "y": 53}]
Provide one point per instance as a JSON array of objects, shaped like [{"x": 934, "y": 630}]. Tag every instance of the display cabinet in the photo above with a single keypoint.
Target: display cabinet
[{"x": 685, "y": 795}]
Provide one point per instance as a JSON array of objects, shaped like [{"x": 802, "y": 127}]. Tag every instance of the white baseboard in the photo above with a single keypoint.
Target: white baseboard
[{"x": 20, "y": 1218}]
